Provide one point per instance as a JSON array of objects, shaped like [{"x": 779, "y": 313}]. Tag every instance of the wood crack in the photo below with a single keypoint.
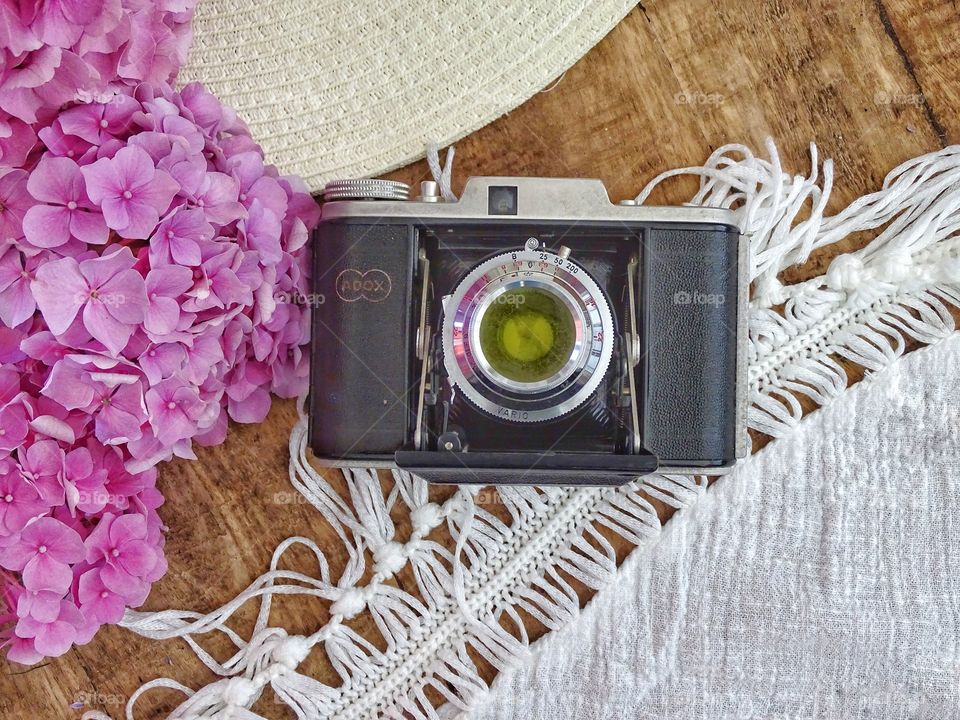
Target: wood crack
[{"x": 891, "y": 32}]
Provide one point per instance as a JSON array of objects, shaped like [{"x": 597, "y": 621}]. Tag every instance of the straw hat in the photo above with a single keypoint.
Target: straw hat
[{"x": 346, "y": 88}]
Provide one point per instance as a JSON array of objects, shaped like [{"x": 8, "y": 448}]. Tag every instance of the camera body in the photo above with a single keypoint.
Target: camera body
[{"x": 531, "y": 332}]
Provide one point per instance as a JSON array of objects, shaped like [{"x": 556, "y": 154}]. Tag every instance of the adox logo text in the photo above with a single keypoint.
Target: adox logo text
[{"x": 373, "y": 285}]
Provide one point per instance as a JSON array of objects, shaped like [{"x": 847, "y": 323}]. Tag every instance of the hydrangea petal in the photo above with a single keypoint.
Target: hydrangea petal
[
  {"x": 59, "y": 289},
  {"x": 89, "y": 227},
  {"x": 104, "y": 327},
  {"x": 16, "y": 304},
  {"x": 47, "y": 226},
  {"x": 43, "y": 573}
]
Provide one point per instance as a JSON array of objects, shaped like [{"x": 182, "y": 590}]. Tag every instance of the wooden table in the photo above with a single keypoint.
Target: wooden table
[{"x": 873, "y": 83}]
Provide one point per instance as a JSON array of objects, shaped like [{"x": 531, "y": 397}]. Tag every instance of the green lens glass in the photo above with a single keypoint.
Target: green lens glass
[{"x": 527, "y": 334}]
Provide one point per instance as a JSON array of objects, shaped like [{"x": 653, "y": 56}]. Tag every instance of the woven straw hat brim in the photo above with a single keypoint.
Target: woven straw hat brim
[{"x": 339, "y": 89}]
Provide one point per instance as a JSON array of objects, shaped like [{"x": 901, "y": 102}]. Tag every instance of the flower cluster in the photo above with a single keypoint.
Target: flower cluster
[
  {"x": 69, "y": 570},
  {"x": 148, "y": 259},
  {"x": 57, "y": 51}
]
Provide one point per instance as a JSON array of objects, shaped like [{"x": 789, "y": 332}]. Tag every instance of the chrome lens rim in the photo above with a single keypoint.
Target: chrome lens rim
[
  {"x": 576, "y": 354},
  {"x": 569, "y": 387}
]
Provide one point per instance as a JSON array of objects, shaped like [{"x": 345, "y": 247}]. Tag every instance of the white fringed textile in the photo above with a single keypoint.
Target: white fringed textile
[
  {"x": 819, "y": 581},
  {"x": 864, "y": 309}
]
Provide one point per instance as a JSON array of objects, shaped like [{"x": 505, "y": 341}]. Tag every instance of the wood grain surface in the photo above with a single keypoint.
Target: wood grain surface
[{"x": 874, "y": 83}]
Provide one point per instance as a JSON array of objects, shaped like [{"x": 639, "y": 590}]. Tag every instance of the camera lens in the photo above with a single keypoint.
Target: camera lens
[{"x": 527, "y": 334}]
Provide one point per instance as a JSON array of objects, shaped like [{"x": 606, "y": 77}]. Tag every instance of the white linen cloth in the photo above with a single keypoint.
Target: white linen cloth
[{"x": 820, "y": 580}]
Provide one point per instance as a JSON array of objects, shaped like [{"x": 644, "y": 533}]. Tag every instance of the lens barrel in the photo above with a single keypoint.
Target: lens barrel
[{"x": 527, "y": 335}]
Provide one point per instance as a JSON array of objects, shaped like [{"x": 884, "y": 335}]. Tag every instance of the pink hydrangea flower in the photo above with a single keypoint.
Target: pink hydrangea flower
[
  {"x": 17, "y": 138},
  {"x": 42, "y": 605},
  {"x": 55, "y": 637},
  {"x": 164, "y": 285},
  {"x": 113, "y": 398},
  {"x": 43, "y": 552},
  {"x": 57, "y": 51},
  {"x": 131, "y": 192},
  {"x": 64, "y": 211},
  {"x": 122, "y": 412},
  {"x": 83, "y": 483},
  {"x": 38, "y": 81},
  {"x": 99, "y": 601},
  {"x": 97, "y": 123},
  {"x": 148, "y": 257},
  {"x": 62, "y": 22},
  {"x": 16, "y": 33},
  {"x": 62, "y": 144},
  {"x": 218, "y": 283},
  {"x": 156, "y": 49},
  {"x": 107, "y": 289},
  {"x": 128, "y": 559},
  {"x": 19, "y": 501},
  {"x": 15, "y": 200},
  {"x": 174, "y": 408},
  {"x": 83, "y": 92},
  {"x": 13, "y": 427},
  {"x": 261, "y": 230},
  {"x": 219, "y": 196},
  {"x": 180, "y": 237},
  {"x": 254, "y": 184},
  {"x": 22, "y": 650},
  {"x": 41, "y": 464},
  {"x": 16, "y": 273}
]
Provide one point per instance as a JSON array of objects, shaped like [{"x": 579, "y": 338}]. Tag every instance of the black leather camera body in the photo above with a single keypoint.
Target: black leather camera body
[{"x": 531, "y": 332}]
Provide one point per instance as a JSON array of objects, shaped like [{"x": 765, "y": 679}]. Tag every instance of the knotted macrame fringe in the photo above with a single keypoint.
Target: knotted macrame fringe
[{"x": 473, "y": 600}]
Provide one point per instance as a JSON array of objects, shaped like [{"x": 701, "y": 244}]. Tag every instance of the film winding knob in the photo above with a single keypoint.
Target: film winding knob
[{"x": 366, "y": 189}]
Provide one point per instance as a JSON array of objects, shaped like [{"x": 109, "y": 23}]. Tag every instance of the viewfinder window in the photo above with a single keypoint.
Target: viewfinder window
[{"x": 502, "y": 200}]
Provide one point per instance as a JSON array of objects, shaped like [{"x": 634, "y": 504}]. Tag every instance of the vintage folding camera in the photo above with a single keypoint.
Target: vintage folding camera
[{"x": 532, "y": 332}]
